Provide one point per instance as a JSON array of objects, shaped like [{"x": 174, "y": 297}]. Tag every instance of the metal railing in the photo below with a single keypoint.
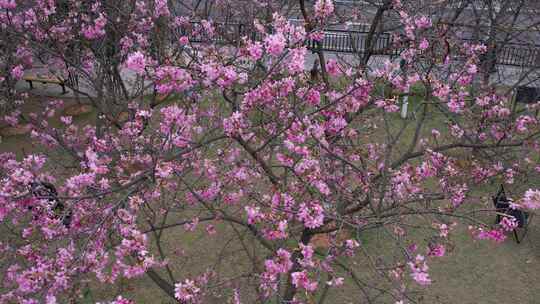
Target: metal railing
[{"x": 352, "y": 41}]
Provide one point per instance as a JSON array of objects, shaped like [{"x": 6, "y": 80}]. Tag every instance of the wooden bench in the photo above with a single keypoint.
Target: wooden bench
[{"x": 44, "y": 80}]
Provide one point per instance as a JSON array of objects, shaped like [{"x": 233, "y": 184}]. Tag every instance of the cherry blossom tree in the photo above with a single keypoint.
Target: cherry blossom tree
[{"x": 228, "y": 136}]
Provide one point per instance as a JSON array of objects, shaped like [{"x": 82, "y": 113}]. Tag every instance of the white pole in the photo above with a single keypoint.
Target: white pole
[
  {"x": 403, "y": 66},
  {"x": 404, "y": 106}
]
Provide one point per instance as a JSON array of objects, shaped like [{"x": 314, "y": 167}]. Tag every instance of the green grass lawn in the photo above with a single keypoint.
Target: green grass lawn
[{"x": 474, "y": 272}]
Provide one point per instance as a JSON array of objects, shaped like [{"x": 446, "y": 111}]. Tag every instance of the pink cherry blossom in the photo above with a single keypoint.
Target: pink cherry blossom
[
  {"x": 255, "y": 50},
  {"x": 186, "y": 291},
  {"x": 161, "y": 8},
  {"x": 311, "y": 214},
  {"x": 275, "y": 44},
  {"x": 136, "y": 62},
  {"x": 496, "y": 235},
  {"x": 437, "y": 250},
  {"x": 508, "y": 223},
  {"x": 313, "y": 97},
  {"x": 17, "y": 72},
  {"x": 184, "y": 40},
  {"x": 419, "y": 270},
  {"x": 523, "y": 122},
  {"x": 297, "y": 59},
  {"x": 531, "y": 199},
  {"x": 95, "y": 30},
  {"x": 424, "y": 44},
  {"x": 171, "y": 79},
  {"x": 422, "y": 22},
  {"x": 307, "y": 254},
  {"x": 254, "y": 214},
  {"x": 235, "y": 124},
  {"x": 301, "y": 280},
  {"x": 324, "y": 8},
  {"x": 333, "y": 68},
  {"x": 8, "y": 4},
  {"x": 336, "y": 282},
  {"x": 119, "y": 300}
]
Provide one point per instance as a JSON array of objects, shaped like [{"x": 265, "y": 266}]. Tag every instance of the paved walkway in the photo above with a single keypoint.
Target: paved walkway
[{"x": 506, "y": 75}]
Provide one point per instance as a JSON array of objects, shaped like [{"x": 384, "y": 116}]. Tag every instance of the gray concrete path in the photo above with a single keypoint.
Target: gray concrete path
[{"x": 506, "y": 75}]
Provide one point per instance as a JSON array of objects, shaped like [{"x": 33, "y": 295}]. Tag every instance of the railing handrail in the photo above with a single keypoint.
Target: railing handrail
[{"x": 339, "y": 40}]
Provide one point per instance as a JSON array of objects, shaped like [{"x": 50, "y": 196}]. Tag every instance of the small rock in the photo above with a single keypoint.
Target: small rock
[
  {"x": 161, "y": 97},
  {"x": 76, "y": 110},
  {"x": 320, "y": 241},
  {"x": 123, "y": 117}
]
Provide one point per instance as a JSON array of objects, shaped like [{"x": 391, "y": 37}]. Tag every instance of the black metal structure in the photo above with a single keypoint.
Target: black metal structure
[
  {"x": 527, "y": 94},
  {"x": 44, "y": 190},
  {"x": 353, "y": 41},
  {"x": 502, "y": 206}
]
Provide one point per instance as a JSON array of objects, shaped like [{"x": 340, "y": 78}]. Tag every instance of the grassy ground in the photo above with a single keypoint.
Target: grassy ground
[
  {"x": 483, "y": 272},
  {"x": 474, "y": 272}
]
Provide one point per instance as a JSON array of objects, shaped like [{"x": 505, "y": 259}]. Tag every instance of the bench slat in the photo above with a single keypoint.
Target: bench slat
[{"x": 44, "y": 80}]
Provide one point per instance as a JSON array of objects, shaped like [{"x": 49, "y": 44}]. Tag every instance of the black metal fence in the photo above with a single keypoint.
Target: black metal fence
[
  {"x": 351, "y": 41},
  {"x": 344, "y": 41},
  {"x": 519, "y": 56}
]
